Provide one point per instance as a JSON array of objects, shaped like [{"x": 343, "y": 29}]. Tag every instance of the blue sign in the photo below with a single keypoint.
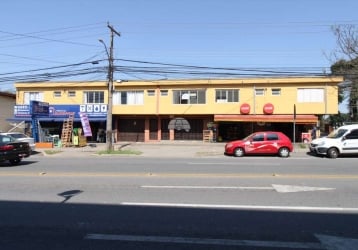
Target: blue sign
[
  {"x": 62, "y": 111},
  {"x": 39, "y": 108}
]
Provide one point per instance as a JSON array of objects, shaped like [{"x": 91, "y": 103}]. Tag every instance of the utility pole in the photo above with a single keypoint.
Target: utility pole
[{"x": 109, "y": 129}]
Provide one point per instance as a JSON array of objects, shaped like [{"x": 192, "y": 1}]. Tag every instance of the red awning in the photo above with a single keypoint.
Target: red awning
[{"x": 311, "y": 119}]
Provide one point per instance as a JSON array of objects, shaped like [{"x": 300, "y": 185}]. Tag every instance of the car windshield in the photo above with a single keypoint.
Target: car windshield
[
  {"x": 6, "y": 139},
  {"x": 337, "y": 133},
  {"x": 17, "y": 136}
]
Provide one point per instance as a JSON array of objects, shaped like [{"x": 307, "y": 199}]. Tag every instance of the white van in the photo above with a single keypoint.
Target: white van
[{"x": 343, "y": 140}]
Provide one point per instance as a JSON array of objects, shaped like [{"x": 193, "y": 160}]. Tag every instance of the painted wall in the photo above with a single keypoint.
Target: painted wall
[
  {"x": 6, "y": 110},
  {"x": 163, "y": 105}
]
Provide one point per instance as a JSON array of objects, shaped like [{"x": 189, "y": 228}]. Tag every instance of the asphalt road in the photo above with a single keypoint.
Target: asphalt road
[{"x": 213, "y": 202}]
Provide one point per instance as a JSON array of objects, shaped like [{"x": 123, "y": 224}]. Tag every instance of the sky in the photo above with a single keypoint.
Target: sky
[{"x": 160, "y": 39}]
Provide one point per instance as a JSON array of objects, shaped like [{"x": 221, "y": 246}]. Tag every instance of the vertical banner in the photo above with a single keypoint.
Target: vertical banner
[{"x": 85, "y": 124}]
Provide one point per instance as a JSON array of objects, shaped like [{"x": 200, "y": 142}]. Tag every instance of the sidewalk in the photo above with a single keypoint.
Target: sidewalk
[{"x": 152, "y": 149}]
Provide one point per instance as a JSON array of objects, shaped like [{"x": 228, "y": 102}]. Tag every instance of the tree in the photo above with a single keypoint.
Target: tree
[{"x": 347, "y": 65}]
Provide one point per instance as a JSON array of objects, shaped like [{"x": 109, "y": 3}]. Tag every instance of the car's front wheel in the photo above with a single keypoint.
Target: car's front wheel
[
  {"x": 332, "y": 153},
  {"x": 239, "y": 152},
  {"x": 14, "y": 162},
  {"x": 284, "y": 152}
]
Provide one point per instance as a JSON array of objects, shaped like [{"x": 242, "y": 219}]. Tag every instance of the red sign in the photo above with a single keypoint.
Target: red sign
[
  {"x": 245, "y": 109},
  {"x": 268, "y": 108}
]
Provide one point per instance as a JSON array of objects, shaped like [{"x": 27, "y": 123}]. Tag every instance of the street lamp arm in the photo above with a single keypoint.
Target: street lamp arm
[{"x": 105, "y": 47}]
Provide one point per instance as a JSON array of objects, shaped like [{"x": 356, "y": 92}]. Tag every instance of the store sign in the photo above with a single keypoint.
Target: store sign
[
  {"x": 61, "y": 111},
  {"x": 39, "y": 108},
  {"x": 268, "y": 109},
  {"x": 245, "y": 109}
]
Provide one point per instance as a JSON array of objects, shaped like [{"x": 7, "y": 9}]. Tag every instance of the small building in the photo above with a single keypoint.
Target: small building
[
  {"x": 8, "y": 101},
  {"x": 230, "y": 108}
]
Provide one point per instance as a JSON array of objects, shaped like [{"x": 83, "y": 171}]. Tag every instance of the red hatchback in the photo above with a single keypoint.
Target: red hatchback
[{"x": 266, "y": 142}]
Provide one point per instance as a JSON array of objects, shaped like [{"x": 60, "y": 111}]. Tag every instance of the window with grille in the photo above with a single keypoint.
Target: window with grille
[
  {"x": 33, "y": 96},
  {"x": 189, "y": 97},
  {"x": 259, "y": 92},
  {"x": 226, "y": 95},
  {"x": 71, "y": 93},
  {"x": 93, "y": 97},
  {"x": 276, "y": 91},
  {"x": 310, "y": 95},
  {"x": 128, "y": 97}
]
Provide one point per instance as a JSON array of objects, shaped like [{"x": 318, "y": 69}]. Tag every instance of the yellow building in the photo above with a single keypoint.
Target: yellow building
[{"x": 231, "y": 108}]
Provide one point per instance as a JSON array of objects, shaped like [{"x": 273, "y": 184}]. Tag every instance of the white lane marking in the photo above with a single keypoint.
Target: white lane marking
[
  {"x": 206, "y": 241},
  {"x": 278, "y": 188},
  {"x": 241, "y": 207},
  {"x": 337, "y": 243},
  {"x": 293, "y": 189},
  {"x": 208, "y": 187},
  {"x": 235, "y": 163}
]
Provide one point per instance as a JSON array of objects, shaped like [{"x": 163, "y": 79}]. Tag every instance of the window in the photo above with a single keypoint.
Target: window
[
  {"x": 189, "y": 97},
  {"x": 151, "y": 92},
  {"x": 57, "y": 94},
  {"x": 128, "y": 97},
  {"x": 93, "y": 97},
  {"x": 275, "y": 91},
  {"x": 310, "y": 95},
  {"x": 71, "y": 93},
  {"x": 164, "y": 92},
  {"x": 353, "y": 135},
  {"x": 259, "y": 137},
  {"x": 259, "y": 92},
  {"x": 226, "y": 95},
  {"x": 33, "y": 96},
  {"x": 272, "y": 137}
]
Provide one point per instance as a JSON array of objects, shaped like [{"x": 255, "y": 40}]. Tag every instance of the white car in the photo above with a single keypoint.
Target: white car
[
  {"x": 343, "y": 140},
  {"x": 22, "y": 137}
]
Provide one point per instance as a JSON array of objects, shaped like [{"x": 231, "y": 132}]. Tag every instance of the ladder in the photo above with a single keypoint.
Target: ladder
[{"x": 67, "y": 128}]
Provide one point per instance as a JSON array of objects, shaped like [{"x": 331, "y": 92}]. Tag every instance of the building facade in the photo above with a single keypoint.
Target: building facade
[
  {"x": 230, "y": 108},
  {"x": 7, "y": 101}
]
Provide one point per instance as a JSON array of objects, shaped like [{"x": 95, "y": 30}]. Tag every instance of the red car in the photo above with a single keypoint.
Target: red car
[{"x": 266, "y": 142}]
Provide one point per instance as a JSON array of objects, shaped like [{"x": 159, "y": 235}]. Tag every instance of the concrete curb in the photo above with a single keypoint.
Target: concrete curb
[{"x": 168, "y": 149}]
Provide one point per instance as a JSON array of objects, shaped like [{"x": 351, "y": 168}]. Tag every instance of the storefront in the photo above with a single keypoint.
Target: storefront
[{"x": 52, "y": 123}]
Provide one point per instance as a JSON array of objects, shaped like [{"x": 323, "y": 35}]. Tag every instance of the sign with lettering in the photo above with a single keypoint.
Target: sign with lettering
[{"x": 39, "y": 108}]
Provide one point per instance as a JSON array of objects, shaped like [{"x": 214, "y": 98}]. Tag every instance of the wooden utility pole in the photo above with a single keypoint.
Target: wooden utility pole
[{"x": 109, "y": 129}]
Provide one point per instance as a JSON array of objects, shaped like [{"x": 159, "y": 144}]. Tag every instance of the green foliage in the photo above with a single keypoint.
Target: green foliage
[
  {"x": 348, "y": 69},
  {"x": 339, "y": 119}
]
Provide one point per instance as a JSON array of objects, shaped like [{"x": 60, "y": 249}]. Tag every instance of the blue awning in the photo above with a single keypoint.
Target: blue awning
[
  {"x": 19, "y": 119},
  {"x": 53, "y": 119}
]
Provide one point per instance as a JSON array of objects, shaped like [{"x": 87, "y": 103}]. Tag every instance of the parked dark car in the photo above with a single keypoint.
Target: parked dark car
[
  {"x": 22, "y": 137},
  {"x": 12, "y": 150},
  {"x": 261, "y": 143}
]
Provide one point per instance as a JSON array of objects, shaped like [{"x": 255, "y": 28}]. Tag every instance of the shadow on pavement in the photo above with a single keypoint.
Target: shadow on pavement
[{"x": 42, "y": 225}]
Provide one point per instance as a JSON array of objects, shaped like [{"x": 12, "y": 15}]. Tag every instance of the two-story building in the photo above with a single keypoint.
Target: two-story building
[{"x": 142, "y": 110}]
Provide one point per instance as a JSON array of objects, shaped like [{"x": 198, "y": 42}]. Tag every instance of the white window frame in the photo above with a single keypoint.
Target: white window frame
[
  {"x": 71, "y": 93},
  {"x": 310, "y": 95},
  {"x": 33, "y": 96},
  {"x": 96, "y": 97},
  {"x": 130, "y": 97},
  {"x": 227, "y": 95},
  {"x": 57, "y": 94},
  {"x": 192, "y": 96},
  {"x": 259, "y": 92},
  {"x": 276, "y": 91}
]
